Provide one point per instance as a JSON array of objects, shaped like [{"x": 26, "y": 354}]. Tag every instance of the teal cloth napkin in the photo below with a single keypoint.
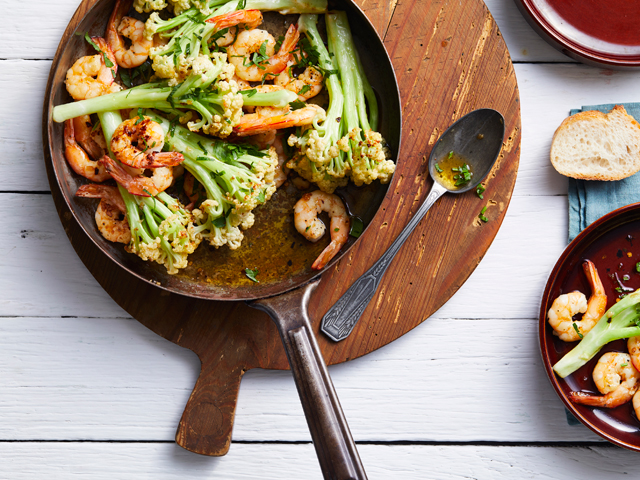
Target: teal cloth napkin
[{"x": 590, "y": 200}]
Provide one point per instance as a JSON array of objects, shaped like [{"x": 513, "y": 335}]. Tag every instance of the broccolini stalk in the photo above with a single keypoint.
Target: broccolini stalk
[
  {"x": 318, "y": 159},
  {"x": 237, "y": 178},
  {"x": 364, "y": 146},
  {"x": 620, "y": 321},
  {"x": 217, "y": 102},
  {"x": 161, "y": 229}
]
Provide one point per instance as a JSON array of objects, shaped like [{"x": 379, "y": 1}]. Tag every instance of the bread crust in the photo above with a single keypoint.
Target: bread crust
[{"x": 617, "y": 129}]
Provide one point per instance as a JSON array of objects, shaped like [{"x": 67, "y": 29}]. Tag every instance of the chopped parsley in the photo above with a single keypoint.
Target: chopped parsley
[
  {"x": 296, "y": 105},
  {"x": 575, "y": 327},
  {"x": 481, "y": 215},
  {"x": 251, "y": 274},
  {"x": 357, "y": 226}
]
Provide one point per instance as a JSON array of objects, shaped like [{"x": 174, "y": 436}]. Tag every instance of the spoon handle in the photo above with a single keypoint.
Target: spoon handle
[{"x": 340, "y": 320}]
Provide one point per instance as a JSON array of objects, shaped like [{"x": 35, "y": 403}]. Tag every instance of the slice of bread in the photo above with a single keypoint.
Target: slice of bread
[{"x": 597, "y": 146}]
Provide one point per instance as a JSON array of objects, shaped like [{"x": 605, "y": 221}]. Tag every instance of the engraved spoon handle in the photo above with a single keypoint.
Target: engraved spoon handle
[{"x": 340, "y": 320}]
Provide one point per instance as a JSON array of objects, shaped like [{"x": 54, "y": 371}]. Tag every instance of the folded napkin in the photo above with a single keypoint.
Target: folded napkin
[{"x": 589, "y": 200}]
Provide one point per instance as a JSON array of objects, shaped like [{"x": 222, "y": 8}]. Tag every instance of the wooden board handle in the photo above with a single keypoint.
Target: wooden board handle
[{"x": 207, "y": 421}]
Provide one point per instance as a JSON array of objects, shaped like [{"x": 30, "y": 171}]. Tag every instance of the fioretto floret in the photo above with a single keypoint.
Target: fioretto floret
[{"x": 146, "y": 6}]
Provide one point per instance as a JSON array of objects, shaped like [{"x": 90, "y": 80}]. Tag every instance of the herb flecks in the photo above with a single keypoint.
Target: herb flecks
[{"x": 251, "y": 274}]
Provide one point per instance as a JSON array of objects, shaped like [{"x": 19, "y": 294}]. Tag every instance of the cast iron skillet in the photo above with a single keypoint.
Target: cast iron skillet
[{"x": 286, "y": 279}]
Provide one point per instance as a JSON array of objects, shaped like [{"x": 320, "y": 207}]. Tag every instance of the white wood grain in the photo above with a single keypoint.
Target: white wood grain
[
  {"x": 296, "y": 462},
  {"x": 455, "y": 380},
  {"x": 41, "y": 257},
  {"x": 547, "y": 93},
  {"x": 49, "y": 19}
]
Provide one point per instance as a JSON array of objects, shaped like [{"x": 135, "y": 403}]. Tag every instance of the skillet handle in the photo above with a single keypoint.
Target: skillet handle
[{"x": 335, "y": 448}]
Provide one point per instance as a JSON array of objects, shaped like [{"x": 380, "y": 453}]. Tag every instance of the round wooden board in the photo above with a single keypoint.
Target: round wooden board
[{"x": 449, "y": 59}]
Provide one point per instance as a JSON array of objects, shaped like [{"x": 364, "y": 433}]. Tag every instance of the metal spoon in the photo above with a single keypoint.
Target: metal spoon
[{"x": 476, "y": 137}]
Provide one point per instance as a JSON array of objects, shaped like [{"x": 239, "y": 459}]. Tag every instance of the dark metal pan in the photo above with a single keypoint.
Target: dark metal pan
[{"x": 272, "y": 245}]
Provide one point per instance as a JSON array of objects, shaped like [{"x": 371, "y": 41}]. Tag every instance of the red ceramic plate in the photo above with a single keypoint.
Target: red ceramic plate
[
  {"x": 596, "y": 32},
  {"x": 612, "y": 243}
]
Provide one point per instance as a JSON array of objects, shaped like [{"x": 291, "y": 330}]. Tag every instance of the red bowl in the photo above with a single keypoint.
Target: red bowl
[
  {"x": 595, "y": 32},
  {"x": 612, "y": 243}
]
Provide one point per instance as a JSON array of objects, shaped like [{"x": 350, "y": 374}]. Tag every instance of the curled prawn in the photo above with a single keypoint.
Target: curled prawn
[
  {"x": 121, "y": 26},
  {"x": 615, "y": 377},
  {"x": 90, "y": 77},
  {"x": 137, "y": 142},
  {"x": 110, "y": 214},
  {"x": 264, "y": 119},
  {"x": 135, "y": 185},
  {"x": 567, "y": 305},
  {"x": 90, "y": 139},
  {"x": 78, "y": 159},
  {"x": 306, "y": 85},
  {"x": 249, "y": 18},
  {"x": 307, "y": 223},
  {"x": 261, "y": 42}
]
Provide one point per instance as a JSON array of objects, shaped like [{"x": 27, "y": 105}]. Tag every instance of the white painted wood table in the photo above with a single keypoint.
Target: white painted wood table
[{"x": 86, "y": 391}]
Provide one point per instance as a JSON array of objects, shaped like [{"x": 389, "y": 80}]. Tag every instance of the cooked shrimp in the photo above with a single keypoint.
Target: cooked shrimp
[
  {"x": 138, "y": 142},
  {"x": 121, "y": 26},
  {"x": 307, "y": 85},
  {"x": 110, "y": 214},
  {"x": 615, "y": 377},
  {"x": 135, "y": 185},
  {"x": 91, "y": 140},
  {"x": 636, "y": 404},
  {"x": 307, "y": 223},
  {"x": 249, "y": 18},
  {"x": 105, "y": 192},
  {"x": 229, "y": 21},
  {"x": 78, "y": 159},
  {"x": 261, "y": 43},
  {"x": 566, "y": 306},
  {"x": 89, "y": 77},
  {"x": 268, "y": 118},
  {"x": 162, "y": 178},
  {"x": 633, "y": 345}
]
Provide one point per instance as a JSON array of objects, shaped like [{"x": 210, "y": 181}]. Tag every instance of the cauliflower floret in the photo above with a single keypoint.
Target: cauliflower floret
[
  {"x": 180, "y": 6},
  {"x": 313, "y": 162},
  {"x": 146, "y": 251},
  {"x": 222, "y": 125},
  {"x": 146, "y": 6},
  {"x": 370, "y": 162},
  {"x": 176, "y": 230},
  {"x": 164, "y": 67}
]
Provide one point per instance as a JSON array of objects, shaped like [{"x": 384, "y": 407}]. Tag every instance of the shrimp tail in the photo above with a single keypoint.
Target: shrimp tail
[
  {"x": 108, "y": 193},
  {"x": 250, "y": 18},
  {"x": 327, "y": 254},
  {"x": 141, "y": 186},
  {"x": 156, "y": 160},
  {"x": 605, "y": 401}
]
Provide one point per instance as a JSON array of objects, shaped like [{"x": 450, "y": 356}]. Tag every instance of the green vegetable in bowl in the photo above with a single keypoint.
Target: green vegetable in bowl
[{"x": 621, "y": 321}]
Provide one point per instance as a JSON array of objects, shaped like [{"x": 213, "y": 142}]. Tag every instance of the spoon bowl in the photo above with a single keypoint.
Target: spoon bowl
[
  {"x": 476, "y": 137},
  {"x": 475, "y": 140}
]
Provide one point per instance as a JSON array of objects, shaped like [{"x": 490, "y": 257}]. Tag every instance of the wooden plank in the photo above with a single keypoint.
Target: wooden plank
[
  {"x": 18, "y": 42},
  {"x": 41, "y": 256},
  {"x": 295, "y": 462},
  {"x": 112, "y": 379},
  {"x": 549, "y": 92}
]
